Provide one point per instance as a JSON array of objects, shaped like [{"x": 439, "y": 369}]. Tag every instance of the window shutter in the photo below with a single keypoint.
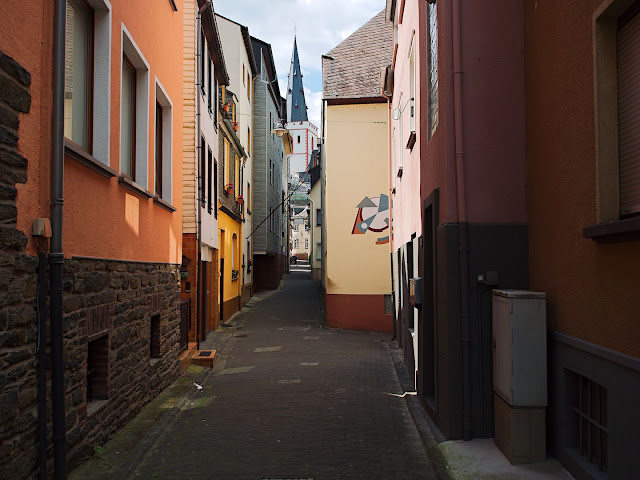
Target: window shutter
[{"x": 629, "y": 114}]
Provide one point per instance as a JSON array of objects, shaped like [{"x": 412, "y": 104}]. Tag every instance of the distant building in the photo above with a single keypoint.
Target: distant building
[
  {"x": 269, "y": 183},
  {"x": 302, "y": 131},
  {"x": 236, "y": 168},
  {"x": 356, "y": 213}
]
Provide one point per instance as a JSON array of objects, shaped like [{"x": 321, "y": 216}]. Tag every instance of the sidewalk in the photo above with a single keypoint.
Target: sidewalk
[{"x": 478, "y": 459}]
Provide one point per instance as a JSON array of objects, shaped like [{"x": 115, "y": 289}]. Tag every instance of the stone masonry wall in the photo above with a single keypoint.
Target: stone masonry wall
[
  {"x": 114, "y": 301},
  {"x": 18, "y": 318}
]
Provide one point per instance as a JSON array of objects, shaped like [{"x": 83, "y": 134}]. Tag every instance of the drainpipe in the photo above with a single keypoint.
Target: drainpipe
[
  {"x": 56, "y": 257},
  {"x": 389, "y": 154},
  {"x": 199, "y": 83},
  {"x": 463, "y": 246},
  {"x": 42, "y": 364}
]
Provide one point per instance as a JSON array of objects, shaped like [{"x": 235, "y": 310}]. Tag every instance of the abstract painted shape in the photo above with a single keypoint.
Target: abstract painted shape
[{"x": 373, "y": 215}]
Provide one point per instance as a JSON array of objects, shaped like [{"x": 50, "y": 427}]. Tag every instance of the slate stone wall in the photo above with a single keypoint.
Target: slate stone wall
[
  {"x": 18, "y": 320},
  {"x": 115, "y": 301},
  {"x": 108, "y": 302}
]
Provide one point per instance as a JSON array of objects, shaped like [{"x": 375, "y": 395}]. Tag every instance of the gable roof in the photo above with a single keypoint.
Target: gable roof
[{"x": 352, "y": 68}]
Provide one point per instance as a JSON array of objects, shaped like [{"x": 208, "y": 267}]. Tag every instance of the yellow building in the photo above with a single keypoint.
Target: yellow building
[{"x": 356, "y": 204}]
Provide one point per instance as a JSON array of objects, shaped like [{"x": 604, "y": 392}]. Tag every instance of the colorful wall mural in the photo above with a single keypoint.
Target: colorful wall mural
[{"x": 373, "y": 215}]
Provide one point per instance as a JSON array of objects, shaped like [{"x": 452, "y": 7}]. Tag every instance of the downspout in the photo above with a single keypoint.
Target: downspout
[
  {"x": 56, "y": 256},
  {"x": 200, "y": 185},
  {"x": 42, "y": 364},
  {"x": 389, "y": 154},
  {"x": 463, "y": 247}
]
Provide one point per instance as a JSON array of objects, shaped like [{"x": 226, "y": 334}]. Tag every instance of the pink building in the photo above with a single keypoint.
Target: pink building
[{"x": 458, "y": 131}]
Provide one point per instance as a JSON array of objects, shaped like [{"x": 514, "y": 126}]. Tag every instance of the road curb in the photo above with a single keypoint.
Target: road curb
[{"x": 430, "y": 436}]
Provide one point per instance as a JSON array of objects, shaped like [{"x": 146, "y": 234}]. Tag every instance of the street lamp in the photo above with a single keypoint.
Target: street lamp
[{"x": 280, "y": 130}]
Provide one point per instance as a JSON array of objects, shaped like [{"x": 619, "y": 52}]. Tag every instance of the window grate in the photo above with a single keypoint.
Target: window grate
[{"x": 589, "y": 420}]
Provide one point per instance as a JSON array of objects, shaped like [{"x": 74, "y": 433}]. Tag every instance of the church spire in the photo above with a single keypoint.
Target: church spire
[{"x": 296, "y": 105}]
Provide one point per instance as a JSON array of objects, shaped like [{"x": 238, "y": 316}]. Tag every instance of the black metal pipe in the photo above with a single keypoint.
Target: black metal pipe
[
  {"x": 42, "y": 364},
  {"x": 56, "y": 256}
]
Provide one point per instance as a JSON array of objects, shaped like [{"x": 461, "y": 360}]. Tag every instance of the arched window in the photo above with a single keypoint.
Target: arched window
[{"x": 234, "y": 244}]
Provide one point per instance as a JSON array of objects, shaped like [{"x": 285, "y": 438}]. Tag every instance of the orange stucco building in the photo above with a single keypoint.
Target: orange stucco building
[{"x": 121, "y": 220}]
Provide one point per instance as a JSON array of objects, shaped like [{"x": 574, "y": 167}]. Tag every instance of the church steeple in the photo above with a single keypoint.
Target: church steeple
[{"x": 296, "y": 105}]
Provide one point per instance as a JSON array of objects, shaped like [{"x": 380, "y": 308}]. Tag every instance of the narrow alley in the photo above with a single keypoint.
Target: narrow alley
[{"x": 287, "y": 398}]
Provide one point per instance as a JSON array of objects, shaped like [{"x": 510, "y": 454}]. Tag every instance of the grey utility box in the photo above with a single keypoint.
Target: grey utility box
[{"x": 520, "y": 373}]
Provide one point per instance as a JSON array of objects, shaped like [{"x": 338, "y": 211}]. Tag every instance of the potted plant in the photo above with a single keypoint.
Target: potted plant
[
  {"x": 235, "y": 126},
  {"x": 229, "y": 188},
  {"x": 240, "y": 199},
  {"x": 225, "y": 106}
]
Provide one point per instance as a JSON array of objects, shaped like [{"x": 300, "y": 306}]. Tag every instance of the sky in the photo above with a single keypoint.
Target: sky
[{"x": 319, "y": 25}]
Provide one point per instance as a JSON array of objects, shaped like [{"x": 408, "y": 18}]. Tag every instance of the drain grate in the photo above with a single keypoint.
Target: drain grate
[{"x": 205, "y": 353}]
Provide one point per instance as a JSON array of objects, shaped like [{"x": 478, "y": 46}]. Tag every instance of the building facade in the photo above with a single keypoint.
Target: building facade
[
  {"x": 241, "y": 65},
  {"x": 120, "y": 226},
  {"x": 204, "y": 70},
  {"x": 269, "y": 188},
  {"x": 583, "y": 205},
  {"x": 356, "y": 213}
]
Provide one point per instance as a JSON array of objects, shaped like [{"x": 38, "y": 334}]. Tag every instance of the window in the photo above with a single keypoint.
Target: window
[
  {"x": 215, "y": 189},
  {"x": 234, "y": 249},
  {"x": 203, "y": 171},
  {"x": 209, "y": 93},
  {"x": 617, "y": 36},
  {"x": 154, "y": 337},
  {"x": 412, "y": 85},
  {"x": 587, "y": 427},
  {"x": 97, "y": 369},
  {"x": 87, "y": 81},
  {"x": 628, "y": 46},
  {"x": 249, "y": 141},
  {"x": 163, "y": 144},
  {"x": 296, "y": 243},
  {"x": 215, "y": 99},
  {"x": 318, "y": 251},
  {"x": 433, "y": 68},
  {"x": 128, "y": 116},
  {"x": 158, "y": 149},
  {"x": 298, "y": 138},
  {"x": 78, "y": 94},
  {"x": 318, "y": 217},
  {"x": 134, "y": 113},
  {"x": 248, "y": 200},
  {"x": 210, "y": 181},
  {"x": 238, "y": 188},
  {"x": 306, "y": 244},
  {"x": 296, "y": 227},
  {"x": 202, "y": 57},
  {"x": 225, "y": 164}
]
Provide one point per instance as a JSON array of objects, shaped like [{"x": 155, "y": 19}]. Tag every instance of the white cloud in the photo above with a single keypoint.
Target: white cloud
[{"x": 320, "y": 25}]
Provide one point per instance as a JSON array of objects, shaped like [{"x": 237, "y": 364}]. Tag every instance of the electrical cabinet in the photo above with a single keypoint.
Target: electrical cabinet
[
  {"x": 520, "y": 347},
  {"x": 520, "y": 374}
]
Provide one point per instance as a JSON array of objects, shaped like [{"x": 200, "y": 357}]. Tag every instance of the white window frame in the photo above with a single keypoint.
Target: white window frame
[
  {"x": 167, "y": 141},
  {"x": 134, "y": 54}
]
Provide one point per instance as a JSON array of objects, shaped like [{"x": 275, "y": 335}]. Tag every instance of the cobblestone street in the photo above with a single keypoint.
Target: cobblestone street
[{"x": 290, "y": 399}]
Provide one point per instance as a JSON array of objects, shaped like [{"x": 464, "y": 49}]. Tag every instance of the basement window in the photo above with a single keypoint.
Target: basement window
[
  {"x": 154, "y": 337},
  {"x": 97, "y": 373},
  {"x": 587, "y": 433}
]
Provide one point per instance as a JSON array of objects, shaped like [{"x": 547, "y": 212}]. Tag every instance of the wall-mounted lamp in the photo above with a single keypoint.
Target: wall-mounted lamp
[{"x": 279, "y": 130}]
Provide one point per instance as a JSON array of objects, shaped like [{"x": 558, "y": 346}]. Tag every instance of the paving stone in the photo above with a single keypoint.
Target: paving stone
[{"x": 311, "y": 410}]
